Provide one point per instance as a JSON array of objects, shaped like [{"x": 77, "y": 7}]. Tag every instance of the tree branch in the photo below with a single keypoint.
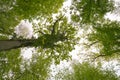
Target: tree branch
[{"x": 54, "y": 24}]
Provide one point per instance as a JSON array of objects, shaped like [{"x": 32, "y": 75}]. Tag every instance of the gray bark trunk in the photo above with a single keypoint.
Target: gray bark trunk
[{"x": 13, "y": 44}]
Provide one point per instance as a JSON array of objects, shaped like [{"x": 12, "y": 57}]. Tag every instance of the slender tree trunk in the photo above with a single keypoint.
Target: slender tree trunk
[{"x": 13, "y": 44}]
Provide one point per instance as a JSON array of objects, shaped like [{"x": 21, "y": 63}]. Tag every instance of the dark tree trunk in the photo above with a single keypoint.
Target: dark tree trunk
[{"x": 13, "y": 44}]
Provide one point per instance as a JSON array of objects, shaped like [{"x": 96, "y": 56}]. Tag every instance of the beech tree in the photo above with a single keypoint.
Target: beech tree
[{"x": 57, "y": 36}]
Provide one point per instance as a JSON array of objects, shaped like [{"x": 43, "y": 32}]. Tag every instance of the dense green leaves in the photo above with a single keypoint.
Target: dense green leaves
[
  {"x": 29, "y": 8},
  {"x": 107, "y": 34},
  {"x": 92, "y": 10},
  {"x": 9, "y": 64}
]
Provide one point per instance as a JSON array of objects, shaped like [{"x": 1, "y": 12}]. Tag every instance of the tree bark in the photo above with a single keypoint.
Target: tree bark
[{"x": 13, "y": 44}]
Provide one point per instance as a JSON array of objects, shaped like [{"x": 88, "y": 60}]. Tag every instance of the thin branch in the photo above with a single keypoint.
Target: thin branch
[
  {"x": 53, "y": 27},
  {"x": 101, "y": 55},
  {"x": 93, "y": 43},
  {"x": 39, "y": 32}
]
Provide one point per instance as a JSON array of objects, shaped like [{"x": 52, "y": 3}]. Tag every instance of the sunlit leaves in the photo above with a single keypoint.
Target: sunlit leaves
[
  {"x": 9, "y": 64},
  {"x": 37, "y": 68},
  {"x": 29, "y": 8}
]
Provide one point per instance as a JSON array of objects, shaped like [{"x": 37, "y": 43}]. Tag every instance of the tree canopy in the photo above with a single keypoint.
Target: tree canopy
[{"x": 56, "y": 37}]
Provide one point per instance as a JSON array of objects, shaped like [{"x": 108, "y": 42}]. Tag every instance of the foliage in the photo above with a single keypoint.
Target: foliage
[
  {"x": 13, "y": 67},
  {"x": 57, "y": 39},
  {"x": 11, "y": 13},
  {"x": 29, "y": 8},
  {"x": 90, "y": 13},
  {"x": 9, "y": 64},
  {"x": 86, "y": 71},
  {"x": 91, "y": 10},
  {"x": 36, "y": 69},
  {"x": 107, "y": 35}
]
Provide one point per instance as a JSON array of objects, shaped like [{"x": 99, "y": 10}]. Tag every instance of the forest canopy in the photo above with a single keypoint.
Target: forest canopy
[{"x": 55, "y": 30}]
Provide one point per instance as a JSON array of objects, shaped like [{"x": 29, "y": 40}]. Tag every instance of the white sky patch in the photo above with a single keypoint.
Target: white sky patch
[
  {"x": 56, "y": 68},
  {"x": 66, "y": 9},
  {"x": 24, "y": 29},
  {"x": 67, "y": 3},
  {"x": 27, "y": 53},
  {"x": 115, "y": 15},
  {"x": 114, "y": 64},
  {"x": 112, "y": 17},
  {"x": 117, "y": 0}
]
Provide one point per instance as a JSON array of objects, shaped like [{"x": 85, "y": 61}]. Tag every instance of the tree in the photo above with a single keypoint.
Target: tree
[
  {"x": 51, "y": 37},
  {"x": 57, "y": 36}
]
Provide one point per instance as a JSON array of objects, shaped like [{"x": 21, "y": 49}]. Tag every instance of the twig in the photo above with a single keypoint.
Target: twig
[{"x": 101, "y": 55}]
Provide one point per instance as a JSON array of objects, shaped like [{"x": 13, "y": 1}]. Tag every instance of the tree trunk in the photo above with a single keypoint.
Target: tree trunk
[{"x": 13, "y": 44}]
